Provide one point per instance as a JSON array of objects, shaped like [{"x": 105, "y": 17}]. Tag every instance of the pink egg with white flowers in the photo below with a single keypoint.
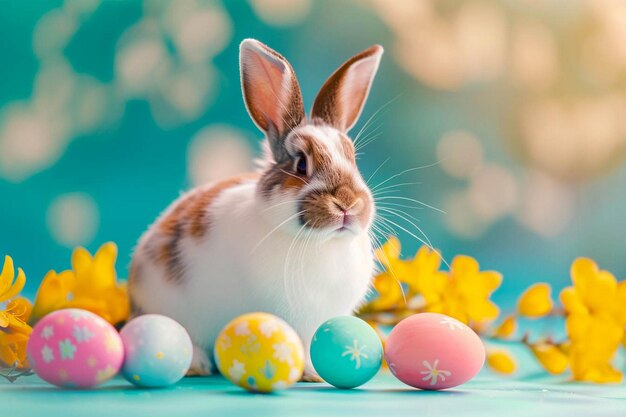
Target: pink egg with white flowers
[
  {"x": 75, "y": 348},
  {"x": 433, "y": 351}
]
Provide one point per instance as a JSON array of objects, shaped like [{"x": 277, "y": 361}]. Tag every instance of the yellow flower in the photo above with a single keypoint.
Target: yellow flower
[
  {"x": 465, "y": 292},
  {"x": 14, "y": 330},
  {"x": 419, "y": 274},
  {"x": 594, "y": 289},
  {"x": 12, "y": 317},
  {"x": 9, "y": 287},
  {"x": 389, "y": 293},
  {"x": 535, "y": 302},
  {"x": 426, "y": 278},
  {"x": 425, "y": 263},
  {"x": 406, "y": 271},
  {"x": 553, "y": 359},
  {"x": 90, "y": 285},
  {"x": 388, "y": 284},
  {"x": 594, "y": 342},
  {"x": 506, "y": 328},
  {"x": 54, "y": 293},
  {"x": 389, "y": 253},
  {"x": 13, "y": 350},
  {"x": 501, "y": 361},
  {"x": 587, "y": 368},
  {"x": 594, "y": 308}
]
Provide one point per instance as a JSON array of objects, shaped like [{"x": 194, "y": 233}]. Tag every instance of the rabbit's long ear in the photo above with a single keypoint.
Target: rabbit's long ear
[
  {"x": 341, "y": 99},
  {"x": 271, "y": 91}
]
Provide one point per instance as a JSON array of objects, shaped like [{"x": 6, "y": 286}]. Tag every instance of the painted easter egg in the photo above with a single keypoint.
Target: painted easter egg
[
  {"x": 158, "y": 351},
  {"x": 346, "y": 352},
  {"x": 75, "y": 348},
  {"x": 433, "y": 351},
  {"x": 259, "y": 352}
]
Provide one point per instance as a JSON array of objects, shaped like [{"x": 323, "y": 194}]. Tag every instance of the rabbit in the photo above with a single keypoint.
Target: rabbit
[{"x": 291, "y": 239}]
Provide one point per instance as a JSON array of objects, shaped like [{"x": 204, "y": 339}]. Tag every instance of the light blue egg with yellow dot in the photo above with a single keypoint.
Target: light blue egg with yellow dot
[
  {"x": 346, "y": 352},
  {"x": 158, "y": 351}
]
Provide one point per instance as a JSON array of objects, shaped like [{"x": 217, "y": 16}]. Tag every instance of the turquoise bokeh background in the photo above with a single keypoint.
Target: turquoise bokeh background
[{"x": 104, "y": 106}]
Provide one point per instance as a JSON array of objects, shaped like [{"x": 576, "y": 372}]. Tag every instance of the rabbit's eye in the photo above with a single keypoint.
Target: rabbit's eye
[{"x": 301, "y": 165}]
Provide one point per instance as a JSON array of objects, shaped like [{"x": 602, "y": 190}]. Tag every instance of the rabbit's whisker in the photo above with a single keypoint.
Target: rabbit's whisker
[
  {"x": 391, "y": 206},
  {"x": 393, "y": 186},
  {"x": 374, "y": 134},
  {"x": 417, "y": 238},
  {"x": 388, "y": 261},
  {"x": 302, "y": 278},
  {"x": 408, "y": 220},
  {"x": 370, "y": 119},
  {"x": 384, "y": 198},
  {"x": 286, "y": 281},
  {"x": 295, "y": 176},
  {"x": 404, "y": 172},
  {"x": 376, "y": 171},
  {"x": 275, "y": 229},
  {"x": 282, "y": 203},
  {"x": 383, "y": 229}
]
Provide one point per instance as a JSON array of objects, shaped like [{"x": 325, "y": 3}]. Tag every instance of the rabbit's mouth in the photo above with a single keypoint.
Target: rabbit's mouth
[
  {"x": 329, "y": 214},
  {"x": 348, "y": 223}
]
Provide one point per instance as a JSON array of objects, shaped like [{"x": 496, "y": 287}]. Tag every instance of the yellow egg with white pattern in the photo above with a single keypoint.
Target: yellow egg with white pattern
[{"x": 259, "y": 352}]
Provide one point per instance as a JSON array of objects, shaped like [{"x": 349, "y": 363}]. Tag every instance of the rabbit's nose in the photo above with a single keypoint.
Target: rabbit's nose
[
  {"x": 350, "y": 209},
  {"x": 345, "y": 199},
  {"x": 355, "y": 207}
]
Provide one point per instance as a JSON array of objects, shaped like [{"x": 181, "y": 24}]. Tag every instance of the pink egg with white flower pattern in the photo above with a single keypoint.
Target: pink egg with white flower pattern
[
  {"x": 75, "y": 348},
  {"x": 432, "y": 351}
]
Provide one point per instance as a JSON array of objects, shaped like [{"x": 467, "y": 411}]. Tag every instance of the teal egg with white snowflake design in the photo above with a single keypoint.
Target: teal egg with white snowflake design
[{"x": 346, "y": 352}]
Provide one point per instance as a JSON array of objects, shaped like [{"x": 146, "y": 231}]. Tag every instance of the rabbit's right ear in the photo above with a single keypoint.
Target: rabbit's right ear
[
  {"x": 342, "y": 97},
  {"x": 271, "y": 92}
]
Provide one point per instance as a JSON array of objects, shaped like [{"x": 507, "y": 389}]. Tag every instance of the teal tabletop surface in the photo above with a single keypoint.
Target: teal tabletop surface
[{"x": 383, "y": 396}]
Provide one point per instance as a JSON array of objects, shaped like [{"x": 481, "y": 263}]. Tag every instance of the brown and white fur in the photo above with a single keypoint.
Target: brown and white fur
[{"x": 291, "y": 239}]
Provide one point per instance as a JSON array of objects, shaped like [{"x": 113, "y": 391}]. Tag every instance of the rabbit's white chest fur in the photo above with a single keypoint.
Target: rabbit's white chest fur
[{"x": 228, "y": 273}]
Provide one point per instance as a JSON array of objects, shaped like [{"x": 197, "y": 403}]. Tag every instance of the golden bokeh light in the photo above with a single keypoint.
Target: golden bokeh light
[
  {"x": 546, "y": 206},
  {"x": 460, "y": 218},
  {"x": 73, "y": 219},
  {"x": 281, "y": 12},
  {"x": 217, "y": 152},
  {"x": 444, "y": 49},
  {"x": 492, "y": 193},
  {"x": 534, "y": 56},
  {"x": 459, "y": 153}
]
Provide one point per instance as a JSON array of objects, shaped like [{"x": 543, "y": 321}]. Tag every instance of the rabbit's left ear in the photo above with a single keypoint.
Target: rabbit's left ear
[
  {"x": 342, "y": 97},
  {"x": 271, "y": 92}
]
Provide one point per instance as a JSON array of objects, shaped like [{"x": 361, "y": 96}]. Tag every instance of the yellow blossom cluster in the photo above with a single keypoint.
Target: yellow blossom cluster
[
  {"x": 418, "y": 284},
  {"x": 14, "y": 329},
  {"x": 91, "y": 284},
  {"x": 593, "y": 309}
]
